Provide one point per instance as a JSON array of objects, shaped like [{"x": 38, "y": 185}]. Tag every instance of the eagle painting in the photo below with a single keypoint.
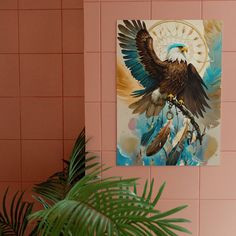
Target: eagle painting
[{"x": 168, "y": 92}]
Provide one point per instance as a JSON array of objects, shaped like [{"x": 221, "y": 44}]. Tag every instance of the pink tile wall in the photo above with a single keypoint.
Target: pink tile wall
[
  {"x": 41, "y": 88},
  {"x": 209, "y": 191}
]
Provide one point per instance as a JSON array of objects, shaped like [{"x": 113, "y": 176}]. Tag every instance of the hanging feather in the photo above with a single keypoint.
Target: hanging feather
[
  {"x": 159, "y": 141},
  {"x": 178, "y": 144},
  {"x": 146, "y": 136},
  {"x": 180, "y": 136}
]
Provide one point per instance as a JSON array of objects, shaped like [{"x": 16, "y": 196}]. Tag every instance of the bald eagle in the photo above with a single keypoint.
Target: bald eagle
[{"x": 173, "y": 77}]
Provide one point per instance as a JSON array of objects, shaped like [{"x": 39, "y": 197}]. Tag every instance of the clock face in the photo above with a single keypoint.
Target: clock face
[{"x": 165, "y": 33}]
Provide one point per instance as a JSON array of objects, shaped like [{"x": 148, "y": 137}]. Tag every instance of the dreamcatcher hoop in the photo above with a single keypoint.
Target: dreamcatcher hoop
[{"x": 171, "y": 31}]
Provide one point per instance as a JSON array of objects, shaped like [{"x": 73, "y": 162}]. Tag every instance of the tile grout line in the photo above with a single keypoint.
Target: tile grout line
[
  {"x": 62, "y": 85},
  {"x": 201, "y": 9},
  {"x": 37, "y": 139},
  {"x": 41, "y": 97},
  {"x": 39, "y": 9},
  {"x": 20, "y": 104},
  {"x": 123, "y": 1},
  {"x": 199, "y": 200},
  {"x": 132, "y": 1},
  {"x": 100, "y": 74},
  {"x": 43, "y": 53}
]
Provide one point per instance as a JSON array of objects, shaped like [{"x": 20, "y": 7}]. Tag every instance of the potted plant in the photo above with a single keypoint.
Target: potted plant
[{"x": 79, "y": 204}]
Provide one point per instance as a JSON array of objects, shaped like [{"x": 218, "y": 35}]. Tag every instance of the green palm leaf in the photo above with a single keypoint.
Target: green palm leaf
[
  {"x": 57, "y": 186},
  {"x": 14, "y": 219},
  {"x": 75, "y": 204},
  {"x": 106, "y": 207}
]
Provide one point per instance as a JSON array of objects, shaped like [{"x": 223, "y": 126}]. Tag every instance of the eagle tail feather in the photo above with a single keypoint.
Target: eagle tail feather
[{"x": 146, "y": 105}]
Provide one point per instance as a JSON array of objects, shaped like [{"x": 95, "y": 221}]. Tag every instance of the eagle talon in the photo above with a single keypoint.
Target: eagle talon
[
  {"x": 170, "y": 96},
  {"x": 181, "y": 102}
]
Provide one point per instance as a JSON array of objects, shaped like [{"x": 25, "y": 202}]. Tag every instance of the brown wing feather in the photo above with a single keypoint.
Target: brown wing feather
[
  {"x": 139, "y": 56},
  {"x": 147, "y": 54},
  {"x": 194, "y": 94}
]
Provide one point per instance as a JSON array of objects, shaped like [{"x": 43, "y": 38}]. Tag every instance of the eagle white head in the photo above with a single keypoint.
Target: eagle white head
[{"x": 177, "y": 52}]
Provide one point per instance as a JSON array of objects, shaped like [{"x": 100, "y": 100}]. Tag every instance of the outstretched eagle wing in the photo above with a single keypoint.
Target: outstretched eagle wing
[
  {"x": 139, "y": 56},
  {"x": 194, "y": 94},
  {"x": 213, "y": 73}
]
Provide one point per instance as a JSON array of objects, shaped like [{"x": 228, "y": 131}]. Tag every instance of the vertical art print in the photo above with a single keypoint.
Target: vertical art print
[{"x": 168, "y": 92}]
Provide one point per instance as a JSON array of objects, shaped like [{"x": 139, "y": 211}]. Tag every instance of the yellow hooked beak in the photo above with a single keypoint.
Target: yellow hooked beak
[{"x": 184, "y": 49}]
